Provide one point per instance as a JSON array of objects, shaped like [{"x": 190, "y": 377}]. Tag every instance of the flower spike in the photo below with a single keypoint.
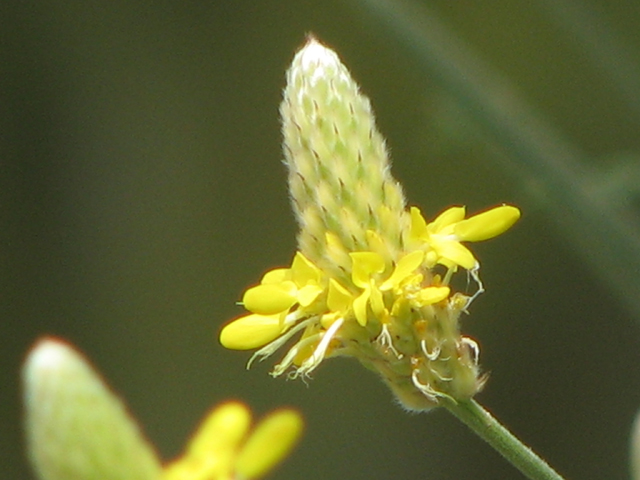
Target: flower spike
[{"x": 370, "y": 279}]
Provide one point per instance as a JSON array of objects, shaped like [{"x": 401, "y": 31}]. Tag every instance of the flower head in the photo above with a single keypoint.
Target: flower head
[{"x": 371, "y": 279}]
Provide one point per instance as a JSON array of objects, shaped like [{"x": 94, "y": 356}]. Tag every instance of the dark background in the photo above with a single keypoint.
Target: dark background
[{"x": 142, "y": 190}]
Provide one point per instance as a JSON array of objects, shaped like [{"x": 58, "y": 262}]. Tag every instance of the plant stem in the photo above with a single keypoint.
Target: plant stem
[{"x": 489, "y": 429}]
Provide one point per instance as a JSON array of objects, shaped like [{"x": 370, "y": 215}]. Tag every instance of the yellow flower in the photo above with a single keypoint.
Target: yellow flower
[
  {"x": 225, "y": 448},
  {"x": 442, "y": 237},
  {"x": 367, "y": 281},
  {"x": 270, "y": 302},
  {"x": 281, "y": 289},
  {"x": 311, "y": 302},
  {"x": 252, "y": 331},
  {"x": 366, "y": 265}
]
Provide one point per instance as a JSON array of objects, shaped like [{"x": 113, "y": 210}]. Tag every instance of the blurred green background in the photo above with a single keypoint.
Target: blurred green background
[{"x": 142, "y": 190}]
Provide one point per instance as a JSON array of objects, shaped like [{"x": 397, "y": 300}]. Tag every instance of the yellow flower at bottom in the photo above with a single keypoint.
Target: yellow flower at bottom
[
  {"x": 224, "y": 449},
  {"x": 270, "y": 442}
]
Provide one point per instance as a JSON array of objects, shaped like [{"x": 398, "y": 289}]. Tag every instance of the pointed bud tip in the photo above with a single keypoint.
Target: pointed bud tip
[
  {"x": 48, "y": 353},
  {"x": 314, "y": 54},
  {"x": 313, "y": 48}
]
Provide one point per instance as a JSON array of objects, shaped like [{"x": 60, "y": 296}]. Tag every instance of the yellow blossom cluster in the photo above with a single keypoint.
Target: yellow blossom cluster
[{"x": 357, "y": 318}]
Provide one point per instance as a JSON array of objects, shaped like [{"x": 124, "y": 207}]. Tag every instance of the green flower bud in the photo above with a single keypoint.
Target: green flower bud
[
  {"x": 338, "y": 164},
  {"x": 77, "y": 429}
]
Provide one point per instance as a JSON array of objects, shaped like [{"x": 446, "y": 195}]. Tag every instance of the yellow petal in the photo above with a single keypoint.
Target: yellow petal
[
  {"x": 448, "y": 217},
  {"x": 377, "y": 303},
  {"x": 251, "y": 331},
  {"x": 360, "y": 307},
  {"x": 270, "y": 299},
  {"x": 338, "y": 298},
  {"x": 222, "y": 430},
  {"x": 304, "y": 271},
  {"x": 418, "y": 224},
  {"x": 487, "y": 225},
  {"x": 304, "y": 352},
  {"x": 405, "y": 267},
  {"x": 212, "y": 451},
  {"x": 270, "y": 443},
  {"x": 277, "y": 275},
  {"x": 365, "y": 264},
  {"x": 431, "y": 295},
  {"x": 456, "y": 253},
  {"x": 329, "y": 319},
  {"x": 307, "y": 294},
  {"x": 188, "y": 468},
  {"x": 333, "y": 241}
]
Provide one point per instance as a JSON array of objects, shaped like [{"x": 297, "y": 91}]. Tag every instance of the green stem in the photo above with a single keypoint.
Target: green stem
[{"x": 489, "y": 429}]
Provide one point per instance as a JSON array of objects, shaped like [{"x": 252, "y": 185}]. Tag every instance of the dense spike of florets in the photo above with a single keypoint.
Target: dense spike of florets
[
  {"x": 338, "y": 164},
  {"x": 371, "y": 278}
]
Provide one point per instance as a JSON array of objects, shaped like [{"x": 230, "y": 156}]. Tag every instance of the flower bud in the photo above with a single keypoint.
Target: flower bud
[
  {"x": 338, "y": 163},
  {"x": 77, "y": 429}
]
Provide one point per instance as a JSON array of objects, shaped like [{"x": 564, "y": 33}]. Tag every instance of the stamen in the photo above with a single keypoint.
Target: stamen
[
  {"x": 271, "y": 348},
  {"x": 385, "y": 340},
  {"x": 473, "y": 345},
  {"x": 439, "y": 375},
  {"x": 427, "y": 390},
  {"x": 287, "y": 361},
  {"x": 449, "y": 274},
  {"x": 316, "y": 358},
  {"x": 433, "y": 355},
  {"x": 475, "y": 274}
]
